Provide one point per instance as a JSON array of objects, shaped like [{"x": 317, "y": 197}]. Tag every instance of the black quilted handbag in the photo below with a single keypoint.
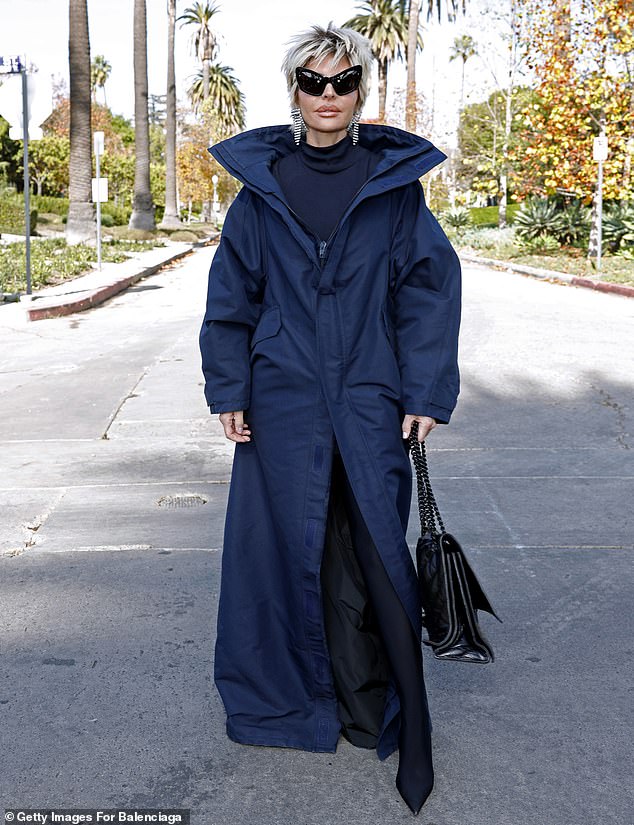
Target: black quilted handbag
[{"x": 450, "y": 593}]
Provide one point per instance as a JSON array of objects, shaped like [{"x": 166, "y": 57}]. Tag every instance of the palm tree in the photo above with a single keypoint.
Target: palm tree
[
  {"x": 99, "y": 74},
  {"x": 385, "y": 24},
  {"x": 142, "y": 207},
  {"x": 203, "y": 39},
  {"x": 204, "y": 42},
  {"x": 224, "y": 94},
  {"x": 463, "y": 47},
  {"x": 171, "y": 219},
  {"x": 80, "y": 225},
  {"x": 412, "y": 31}
]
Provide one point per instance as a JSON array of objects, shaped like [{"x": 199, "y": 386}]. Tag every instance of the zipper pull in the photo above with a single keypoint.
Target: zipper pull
[{"x": 322, "y": 251}]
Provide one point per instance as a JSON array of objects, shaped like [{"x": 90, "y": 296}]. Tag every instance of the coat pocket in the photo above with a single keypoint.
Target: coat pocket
[{"x": 268, "y": 325}]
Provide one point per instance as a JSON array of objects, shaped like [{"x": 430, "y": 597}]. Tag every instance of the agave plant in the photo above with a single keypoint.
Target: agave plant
[
  {"x": 457, "y": 216},
  {"x": 540, "y": 244},
  {"x": 618, "y": 225},
  {"x": 538, "y": 216},
  {"x": 575, "y": 224}
]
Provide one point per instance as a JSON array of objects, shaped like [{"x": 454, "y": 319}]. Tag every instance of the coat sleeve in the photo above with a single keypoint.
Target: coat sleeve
[
  {"x": 425, "y": 284},
  {"x": 236, "y": 277}
]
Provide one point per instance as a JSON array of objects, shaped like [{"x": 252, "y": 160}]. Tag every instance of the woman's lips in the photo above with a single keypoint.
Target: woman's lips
[{"x": 328, "y": 112}]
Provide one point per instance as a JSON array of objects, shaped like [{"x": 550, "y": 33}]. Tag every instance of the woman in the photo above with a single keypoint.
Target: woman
[{"x": 332, "y": 323}]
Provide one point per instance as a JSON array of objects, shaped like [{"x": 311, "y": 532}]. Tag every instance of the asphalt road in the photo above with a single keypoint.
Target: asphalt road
[{"x": 112, "y": 495}]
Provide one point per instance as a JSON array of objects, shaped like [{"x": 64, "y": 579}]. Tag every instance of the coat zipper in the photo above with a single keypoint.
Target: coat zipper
[{"x": 324, "y": 244}]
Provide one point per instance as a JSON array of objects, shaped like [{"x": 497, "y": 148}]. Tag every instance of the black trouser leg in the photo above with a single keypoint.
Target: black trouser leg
[{"x": 404, "y": 654}]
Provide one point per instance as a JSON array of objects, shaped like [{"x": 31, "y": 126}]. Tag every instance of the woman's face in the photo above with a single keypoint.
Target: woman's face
[{"x": 328, "y": 112}]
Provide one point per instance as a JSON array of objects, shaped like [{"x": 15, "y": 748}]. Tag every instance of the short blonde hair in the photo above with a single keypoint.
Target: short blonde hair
[{"x": 316, "y": 43}]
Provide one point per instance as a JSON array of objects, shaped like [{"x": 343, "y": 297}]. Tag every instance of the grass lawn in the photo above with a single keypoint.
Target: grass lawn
[
  {"x": 614, "y": 268},
  {"x": 53, "y": 262},
  {"x": 501, "y": 245}
]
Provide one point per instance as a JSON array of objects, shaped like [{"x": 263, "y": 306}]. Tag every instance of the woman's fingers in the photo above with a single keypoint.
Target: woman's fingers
[
  {"x": 235, "y": 427},
  {"x": 425, "y": 425}
]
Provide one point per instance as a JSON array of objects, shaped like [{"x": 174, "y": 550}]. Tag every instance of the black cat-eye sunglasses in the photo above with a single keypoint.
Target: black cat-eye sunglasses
[{"x": 314, "y": 83}]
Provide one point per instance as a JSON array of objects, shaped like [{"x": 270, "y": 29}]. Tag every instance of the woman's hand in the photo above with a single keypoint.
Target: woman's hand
[
  {"x": 236, "y": 429},
  {"x": 425, "y": 425}
]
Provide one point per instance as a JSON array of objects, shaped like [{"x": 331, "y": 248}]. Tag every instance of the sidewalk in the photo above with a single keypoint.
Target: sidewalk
[
  {"x": 96, "y": 286},
  {"x": 550, "y": 275}
]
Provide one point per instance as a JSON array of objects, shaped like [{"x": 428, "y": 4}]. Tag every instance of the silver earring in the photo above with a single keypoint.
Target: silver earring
[
  {"x": 299, "y": 126},
  {"x": 353, "y": 127}
]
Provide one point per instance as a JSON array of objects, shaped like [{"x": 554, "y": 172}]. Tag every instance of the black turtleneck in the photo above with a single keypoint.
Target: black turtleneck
[{"x": 320, "y": 181}]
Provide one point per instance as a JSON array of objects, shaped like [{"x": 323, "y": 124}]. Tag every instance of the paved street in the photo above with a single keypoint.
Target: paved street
[{"x": 112, "y": 495}]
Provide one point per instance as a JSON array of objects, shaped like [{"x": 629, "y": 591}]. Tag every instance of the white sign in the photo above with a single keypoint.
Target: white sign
[
  {"x": 39, "y": 90},
  {"x": 600, "y": 148},
  {"x": 11, "y": 65},
  {"x": 103, "y": 190},
  {"x": 98, "y": 142}
]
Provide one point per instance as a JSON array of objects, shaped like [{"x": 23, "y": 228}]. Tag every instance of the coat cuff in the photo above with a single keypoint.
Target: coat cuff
[
  {"x": 442, "y": 415},
  {"x": 228, "y": 406}
]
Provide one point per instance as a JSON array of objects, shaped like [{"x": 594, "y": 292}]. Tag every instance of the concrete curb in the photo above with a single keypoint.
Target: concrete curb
[
  {"x": 551, "y": 275},
  {"x": 94, "y": 288}
]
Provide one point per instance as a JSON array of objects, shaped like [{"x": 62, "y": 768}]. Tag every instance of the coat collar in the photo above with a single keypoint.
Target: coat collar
[
  {"x": 248, "y": 156},
  {"x": 404, "y": 156}
]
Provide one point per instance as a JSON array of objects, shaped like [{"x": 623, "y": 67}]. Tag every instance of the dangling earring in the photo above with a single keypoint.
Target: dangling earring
[
  {"x": 299, "y": 126},
  {"x": 353, "y": 127}
]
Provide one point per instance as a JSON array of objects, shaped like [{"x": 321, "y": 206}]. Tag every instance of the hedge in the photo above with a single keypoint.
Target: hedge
[
  {"x": 488, "y": 215},
  {"x": 12, "y": 216}
]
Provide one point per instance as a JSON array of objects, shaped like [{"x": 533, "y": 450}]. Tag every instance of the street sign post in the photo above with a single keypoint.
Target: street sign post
[
  {"x": 98, "y": 138},
  {"x": 14, "y": 65},
  {"x": 600, "y": 154}
]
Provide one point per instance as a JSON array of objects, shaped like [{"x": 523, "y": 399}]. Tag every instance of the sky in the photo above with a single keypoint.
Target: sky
[{"x": 251, "y": 35}]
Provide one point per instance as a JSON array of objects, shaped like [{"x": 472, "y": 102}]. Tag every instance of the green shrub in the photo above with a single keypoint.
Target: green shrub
[
  {"x": 493, "y": 242},
  {"x": 107, "y": 220},
  {"x": 124, "y": 234},
  {"x": 120, "y": 214},
  {"x": 184, "y": 235},
  {"x": 59, "y": 206},
  {"x": 488, "y": 216},
  {"x": 12, "y": 215},
  {"x": 47, "y": 203}
]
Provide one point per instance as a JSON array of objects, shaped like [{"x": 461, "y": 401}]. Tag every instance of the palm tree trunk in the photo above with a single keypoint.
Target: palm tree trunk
[
  {"x": 171, "y": 219},
  {"x": 383, "y": 68},
  {"x": 142, "y": 207},
  {"x": 412, "y": 37},
  {"x": 80, "y": 224},
  {"x": 508, "y": 121},
  {"x": 206, "y": 207},
  {"x": 206, "y": 73}
]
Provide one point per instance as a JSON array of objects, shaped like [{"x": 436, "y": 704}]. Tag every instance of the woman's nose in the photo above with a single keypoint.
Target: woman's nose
[{"x": 329, "y": 91}]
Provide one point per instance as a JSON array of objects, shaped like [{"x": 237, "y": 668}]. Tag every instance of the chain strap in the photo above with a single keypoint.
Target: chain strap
[{"x": 430, "y": 518}]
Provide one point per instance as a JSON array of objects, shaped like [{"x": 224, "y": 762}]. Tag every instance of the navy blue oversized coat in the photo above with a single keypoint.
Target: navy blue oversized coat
[{"x": 316, "y": 341}]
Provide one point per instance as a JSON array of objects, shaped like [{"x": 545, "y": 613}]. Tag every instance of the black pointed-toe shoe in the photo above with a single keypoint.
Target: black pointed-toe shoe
[
  {"x": 414, "y": 793},
  {"x": 415, "y": 774}
]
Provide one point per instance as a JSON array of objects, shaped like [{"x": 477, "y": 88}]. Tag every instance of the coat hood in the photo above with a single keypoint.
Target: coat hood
[{"x": 404, "y": 156}]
